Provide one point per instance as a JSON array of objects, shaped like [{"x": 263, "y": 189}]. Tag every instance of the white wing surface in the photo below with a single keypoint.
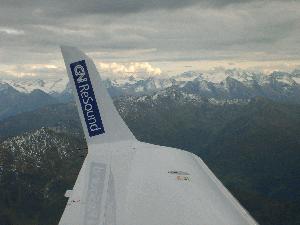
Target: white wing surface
[{"x": 127, "y": 182}]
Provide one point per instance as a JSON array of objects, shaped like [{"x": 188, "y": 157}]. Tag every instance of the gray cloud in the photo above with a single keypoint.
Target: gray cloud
[
  {"x": 67, "y": 8},
  {"x": 112, "y": 6},
  {"x": 149, "y": 30}
]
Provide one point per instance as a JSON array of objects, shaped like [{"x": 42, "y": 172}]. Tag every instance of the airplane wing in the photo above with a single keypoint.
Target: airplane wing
[{"x": 127, "y": 182}]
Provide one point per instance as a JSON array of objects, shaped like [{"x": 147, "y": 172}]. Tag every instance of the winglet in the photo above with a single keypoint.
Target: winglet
[{"x": 99, "y": 118}]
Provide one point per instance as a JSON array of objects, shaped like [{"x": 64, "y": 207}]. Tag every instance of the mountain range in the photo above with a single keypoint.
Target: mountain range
[
  {"x": 252, "y": 146},
  {"x": 219, "y": 84},
  {"x": 226, "y": 85},
  {"x": 244, "y": 125}
]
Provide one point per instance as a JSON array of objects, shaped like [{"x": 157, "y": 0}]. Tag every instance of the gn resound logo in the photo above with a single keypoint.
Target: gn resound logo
[{"x": 87, "y": 98}]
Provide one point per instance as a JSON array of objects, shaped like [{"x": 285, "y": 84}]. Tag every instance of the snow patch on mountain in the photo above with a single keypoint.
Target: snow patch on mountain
[
  {"x": 218, "y": 83},
  {"x": 49, "y": 86},
  {"x": 32, "y": 146},
  {"x": 4, "y": 86},
  {"x": 297, "y": 79}
]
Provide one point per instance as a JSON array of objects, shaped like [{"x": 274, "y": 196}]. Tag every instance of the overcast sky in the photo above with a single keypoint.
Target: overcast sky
[{"x": 152, "y": 36}]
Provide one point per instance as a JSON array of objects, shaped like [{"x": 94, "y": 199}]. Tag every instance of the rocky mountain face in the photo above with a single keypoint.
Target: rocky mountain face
[
  {"x": 35, "y": 170},
  {"x": 13, "y": 102}
]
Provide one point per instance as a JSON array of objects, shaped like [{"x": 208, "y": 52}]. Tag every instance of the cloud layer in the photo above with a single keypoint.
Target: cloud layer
[
  {"x": 154, "y": 31},
  {"x": 140, "y": 69}
]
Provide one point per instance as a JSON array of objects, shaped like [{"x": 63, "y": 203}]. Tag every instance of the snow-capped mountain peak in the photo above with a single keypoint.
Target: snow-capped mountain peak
[
  {"x": 49, "y": 86},
  {"x": 218, "y": 83}
]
